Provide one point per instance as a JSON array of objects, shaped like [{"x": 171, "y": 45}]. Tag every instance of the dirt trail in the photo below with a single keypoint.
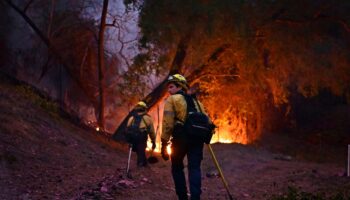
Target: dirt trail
[{"x": 251, "y": 174}]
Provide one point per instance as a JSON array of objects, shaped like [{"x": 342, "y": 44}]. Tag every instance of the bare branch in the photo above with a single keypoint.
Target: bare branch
[
  {"x": 83, "y": 60},
  {"x": 213, "y": 58},
  {"x": 205, "y": 75},
  {"x": 342, "y": 22},
  {"x": 318, "y": 15},
  {"x": 27, "y": 6},
  {"x": 112, "y": 25},
  {"x": 50, "y": 19}
]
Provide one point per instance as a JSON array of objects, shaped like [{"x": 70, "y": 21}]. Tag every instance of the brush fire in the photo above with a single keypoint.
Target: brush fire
[{"x": 229, "y": 130}]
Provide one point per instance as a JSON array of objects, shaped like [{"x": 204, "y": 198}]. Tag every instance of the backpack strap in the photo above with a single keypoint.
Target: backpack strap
[
  {"x": 141, "y": 118},
  {"x": 199, "y": 106},
  {"x": 191, "y": 107},
  {"x": 136, "y": 120},
  {"x": 190, "y": 101}
]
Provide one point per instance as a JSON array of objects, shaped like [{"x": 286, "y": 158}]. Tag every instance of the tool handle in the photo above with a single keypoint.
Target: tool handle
[
  {"x": 220, "y": 171},
  {"x": 128, "y": 165}
]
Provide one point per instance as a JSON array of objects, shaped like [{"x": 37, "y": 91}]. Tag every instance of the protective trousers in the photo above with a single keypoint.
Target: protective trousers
[
  {"x": 194, "y": 152},
  {"x": 140, "y": 148}
]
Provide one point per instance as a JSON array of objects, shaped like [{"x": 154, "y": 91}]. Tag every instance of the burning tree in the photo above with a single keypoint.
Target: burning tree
[{"x": 248, "y": 57}]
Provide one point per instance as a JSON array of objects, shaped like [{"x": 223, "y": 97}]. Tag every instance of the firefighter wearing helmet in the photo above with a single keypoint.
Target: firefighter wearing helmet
[
  {"x": 144, "y": 123},
  {"x": 174, "y": 116}
]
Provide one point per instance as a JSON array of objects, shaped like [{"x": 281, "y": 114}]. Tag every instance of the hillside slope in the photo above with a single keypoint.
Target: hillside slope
[{"x": 43, "y": 156}]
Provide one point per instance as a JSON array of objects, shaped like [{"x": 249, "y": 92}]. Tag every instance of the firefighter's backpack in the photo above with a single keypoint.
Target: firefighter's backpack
[
  {"x": 133, "y": 132},
  {"x": 197, "y": 125}
]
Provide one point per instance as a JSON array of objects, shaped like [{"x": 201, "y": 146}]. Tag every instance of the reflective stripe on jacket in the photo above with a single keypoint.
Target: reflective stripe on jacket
[{"x": 175, "y": 110}]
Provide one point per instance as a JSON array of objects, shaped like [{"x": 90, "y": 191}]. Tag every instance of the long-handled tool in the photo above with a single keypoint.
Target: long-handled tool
[
  {"x": 220, "y": 171},
  {"x": 128, "y": 174}
]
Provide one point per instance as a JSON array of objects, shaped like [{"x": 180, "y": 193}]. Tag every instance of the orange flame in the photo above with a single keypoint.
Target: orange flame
[
  {"x": 149, "y": 146},
  {"x": 168, "y": 149},
  {"x": 231, "y": 129}
]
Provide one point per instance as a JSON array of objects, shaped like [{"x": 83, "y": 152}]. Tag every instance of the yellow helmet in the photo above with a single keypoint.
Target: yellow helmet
[
  {"x": 179, "y": 79},
  {"x": 142, "y": 104}
]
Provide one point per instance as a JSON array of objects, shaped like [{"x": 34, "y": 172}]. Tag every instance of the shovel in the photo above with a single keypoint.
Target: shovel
[{"x": 128, "y": 174}]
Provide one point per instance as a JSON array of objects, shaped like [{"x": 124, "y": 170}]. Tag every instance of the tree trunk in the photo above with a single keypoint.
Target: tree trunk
[
  {"x": 154, "y": 97},
  {"x": 101, "y": 67}
]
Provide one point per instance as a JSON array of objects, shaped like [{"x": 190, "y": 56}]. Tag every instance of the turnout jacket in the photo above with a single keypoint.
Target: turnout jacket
[
  {"x": 175, "y": 111},
  {"x": 146, "y": 123}
]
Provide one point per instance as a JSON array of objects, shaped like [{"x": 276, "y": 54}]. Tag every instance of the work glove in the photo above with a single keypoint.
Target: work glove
[
  {"x": 153, "y": 145},
  {"x": 164, "y": 151}
]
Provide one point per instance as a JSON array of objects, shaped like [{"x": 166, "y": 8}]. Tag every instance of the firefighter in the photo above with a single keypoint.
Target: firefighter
[
  {"x": 141, "y": 132},
  {"x": 174, "y": 116}
]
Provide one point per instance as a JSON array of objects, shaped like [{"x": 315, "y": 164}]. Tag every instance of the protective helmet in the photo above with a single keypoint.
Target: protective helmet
[
  {"x": 179, "y": 79},
  {"x": 141, "y": 104}
]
